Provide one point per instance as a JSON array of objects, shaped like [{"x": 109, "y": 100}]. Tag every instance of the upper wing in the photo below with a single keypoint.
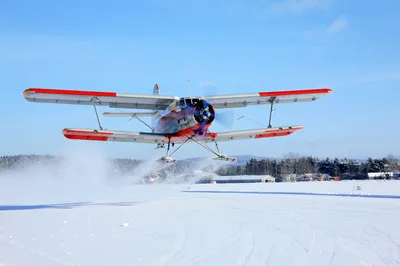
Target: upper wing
[
  {"x": 111, "y": 99},
  {"x": 161, "y": 102},
  {"x": 246, "y": 99},
  {"x": 144, "y": 137}
]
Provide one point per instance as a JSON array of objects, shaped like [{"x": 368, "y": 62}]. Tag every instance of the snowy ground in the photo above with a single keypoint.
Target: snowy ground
[
  {"x": 162, "y": 225},
  {"x": 76, "y": 214}
]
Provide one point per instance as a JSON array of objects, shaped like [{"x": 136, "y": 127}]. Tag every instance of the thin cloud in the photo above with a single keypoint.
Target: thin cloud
[
  {"x": 209, "y": 88},
  {"x": 380, "y": 77},
  {"x": 235, "y": 7},
  {"x": 338, "y": 25},
  {"x": 42, "y": 48},
  {"x": 371, "y": 78},
  {"x": 296, "y": 6},
  {"x": 207, "y": 84}
]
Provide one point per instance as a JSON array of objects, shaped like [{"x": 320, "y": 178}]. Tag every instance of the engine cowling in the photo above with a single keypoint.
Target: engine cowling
[{"x": 204, "y": 112}]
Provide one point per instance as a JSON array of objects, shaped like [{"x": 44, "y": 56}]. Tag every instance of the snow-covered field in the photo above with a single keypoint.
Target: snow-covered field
[
  {"x": 76, "y": 219},
  {"x": 162, "y": 225}
]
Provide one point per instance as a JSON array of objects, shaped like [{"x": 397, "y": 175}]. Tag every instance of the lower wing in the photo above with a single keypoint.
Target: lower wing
[
  {"x": 157, "y": 138},
  {"x": 112, "y": 135},
  {"x": 254, "y": 133}
]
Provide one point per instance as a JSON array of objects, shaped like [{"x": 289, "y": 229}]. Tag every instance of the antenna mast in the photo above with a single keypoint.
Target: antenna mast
[{"x": 190, "y": 91}]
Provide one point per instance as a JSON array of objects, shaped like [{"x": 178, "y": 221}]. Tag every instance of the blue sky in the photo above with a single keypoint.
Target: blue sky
[{"x": 241, "y": 46}]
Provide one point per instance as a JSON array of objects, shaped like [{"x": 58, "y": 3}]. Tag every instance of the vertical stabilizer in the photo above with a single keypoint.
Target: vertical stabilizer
[{"x": 156, "y": 90}]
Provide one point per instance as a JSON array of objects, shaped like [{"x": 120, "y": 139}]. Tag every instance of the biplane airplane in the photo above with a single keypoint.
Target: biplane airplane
[{"x": 174, "y": 120}]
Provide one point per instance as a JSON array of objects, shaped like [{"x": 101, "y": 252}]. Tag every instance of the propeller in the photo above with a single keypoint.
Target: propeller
[
  {"x": 223, "y": 117},
  {"x": 204, "y": 113}
]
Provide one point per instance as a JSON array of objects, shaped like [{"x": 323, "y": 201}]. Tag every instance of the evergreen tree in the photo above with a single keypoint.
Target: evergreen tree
[{"x": 292, "y": 164}]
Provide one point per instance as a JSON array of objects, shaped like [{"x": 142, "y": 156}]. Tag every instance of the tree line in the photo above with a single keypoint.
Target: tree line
[
  {"x": 278, "y": 168},
  {"x": 297, "y": 165}
]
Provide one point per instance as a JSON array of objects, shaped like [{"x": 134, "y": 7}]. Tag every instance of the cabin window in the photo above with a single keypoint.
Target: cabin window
[{"x": 182, "y": 102}]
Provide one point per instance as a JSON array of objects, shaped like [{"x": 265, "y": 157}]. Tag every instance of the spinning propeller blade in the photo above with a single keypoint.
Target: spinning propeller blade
[
  {"x": 222, "y": 117},
  {"x": 225, "y": 118}
]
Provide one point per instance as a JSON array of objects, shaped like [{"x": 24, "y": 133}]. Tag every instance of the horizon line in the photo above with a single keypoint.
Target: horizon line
[{"x": 240, "y": 155}]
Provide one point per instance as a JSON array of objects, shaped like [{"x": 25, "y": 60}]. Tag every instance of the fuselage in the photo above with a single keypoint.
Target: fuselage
[{"x": 186, "y": 117}]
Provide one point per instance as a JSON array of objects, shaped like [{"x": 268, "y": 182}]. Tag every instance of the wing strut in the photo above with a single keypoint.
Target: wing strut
[
  {"x": 167, "y": 158},
  {"x": 270, "y": 112},
  {"x": 135, "y": 116},
  {"x": 95, "y": 110},
  {"x": 220, "y": 156}
]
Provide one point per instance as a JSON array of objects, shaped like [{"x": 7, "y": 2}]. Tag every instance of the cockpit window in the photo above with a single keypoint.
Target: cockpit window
[
  {"x": 182, "y": 102},
  {"x": 187, "y": 101}
]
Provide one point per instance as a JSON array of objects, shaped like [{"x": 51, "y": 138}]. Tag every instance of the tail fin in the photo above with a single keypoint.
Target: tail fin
[{"x": 156, "y": 90}]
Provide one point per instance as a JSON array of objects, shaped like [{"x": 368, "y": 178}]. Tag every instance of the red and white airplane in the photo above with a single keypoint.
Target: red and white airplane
[{"x": 174, "y": 120}]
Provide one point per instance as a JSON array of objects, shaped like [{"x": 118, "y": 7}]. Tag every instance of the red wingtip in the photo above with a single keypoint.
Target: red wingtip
[
  {"x": 279, "y": 132},
  {"x": 78, "y": 134},
  {"x": 69, "y": 92},
  {"x": 26, "y": 92},
  {"x": 295, "y": 92}
]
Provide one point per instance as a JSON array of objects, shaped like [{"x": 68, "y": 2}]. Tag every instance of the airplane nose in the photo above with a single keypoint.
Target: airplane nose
[{"x": 204, "y": 112}]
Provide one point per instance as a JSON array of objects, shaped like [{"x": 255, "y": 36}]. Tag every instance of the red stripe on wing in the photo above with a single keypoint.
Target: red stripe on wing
[
  {"x": 277, "y": 133},
  {"x": 70, "y": 92},
  {"x": 86, "y": 135},
  {"x": 294, "y": 92}
]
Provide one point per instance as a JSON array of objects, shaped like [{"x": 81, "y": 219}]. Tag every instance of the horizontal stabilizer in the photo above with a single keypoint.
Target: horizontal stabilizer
[{"x": 128, "y": 114}]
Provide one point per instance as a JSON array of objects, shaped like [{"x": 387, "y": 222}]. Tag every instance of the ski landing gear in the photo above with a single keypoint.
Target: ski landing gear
[
  {"x": 167, "y": 158},
  {"x": 220, "y": 156}
]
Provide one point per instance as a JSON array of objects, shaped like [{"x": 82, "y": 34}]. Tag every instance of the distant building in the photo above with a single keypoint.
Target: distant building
[
  {"x": 326, "y": 177},
  {"x": 304, "y": 178},
  {"x": 238, "y": 179},
  {"x": 380, "y": 175},
  {"x": 315, "y": 177},
  {"x": 289, "y": 178}
]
